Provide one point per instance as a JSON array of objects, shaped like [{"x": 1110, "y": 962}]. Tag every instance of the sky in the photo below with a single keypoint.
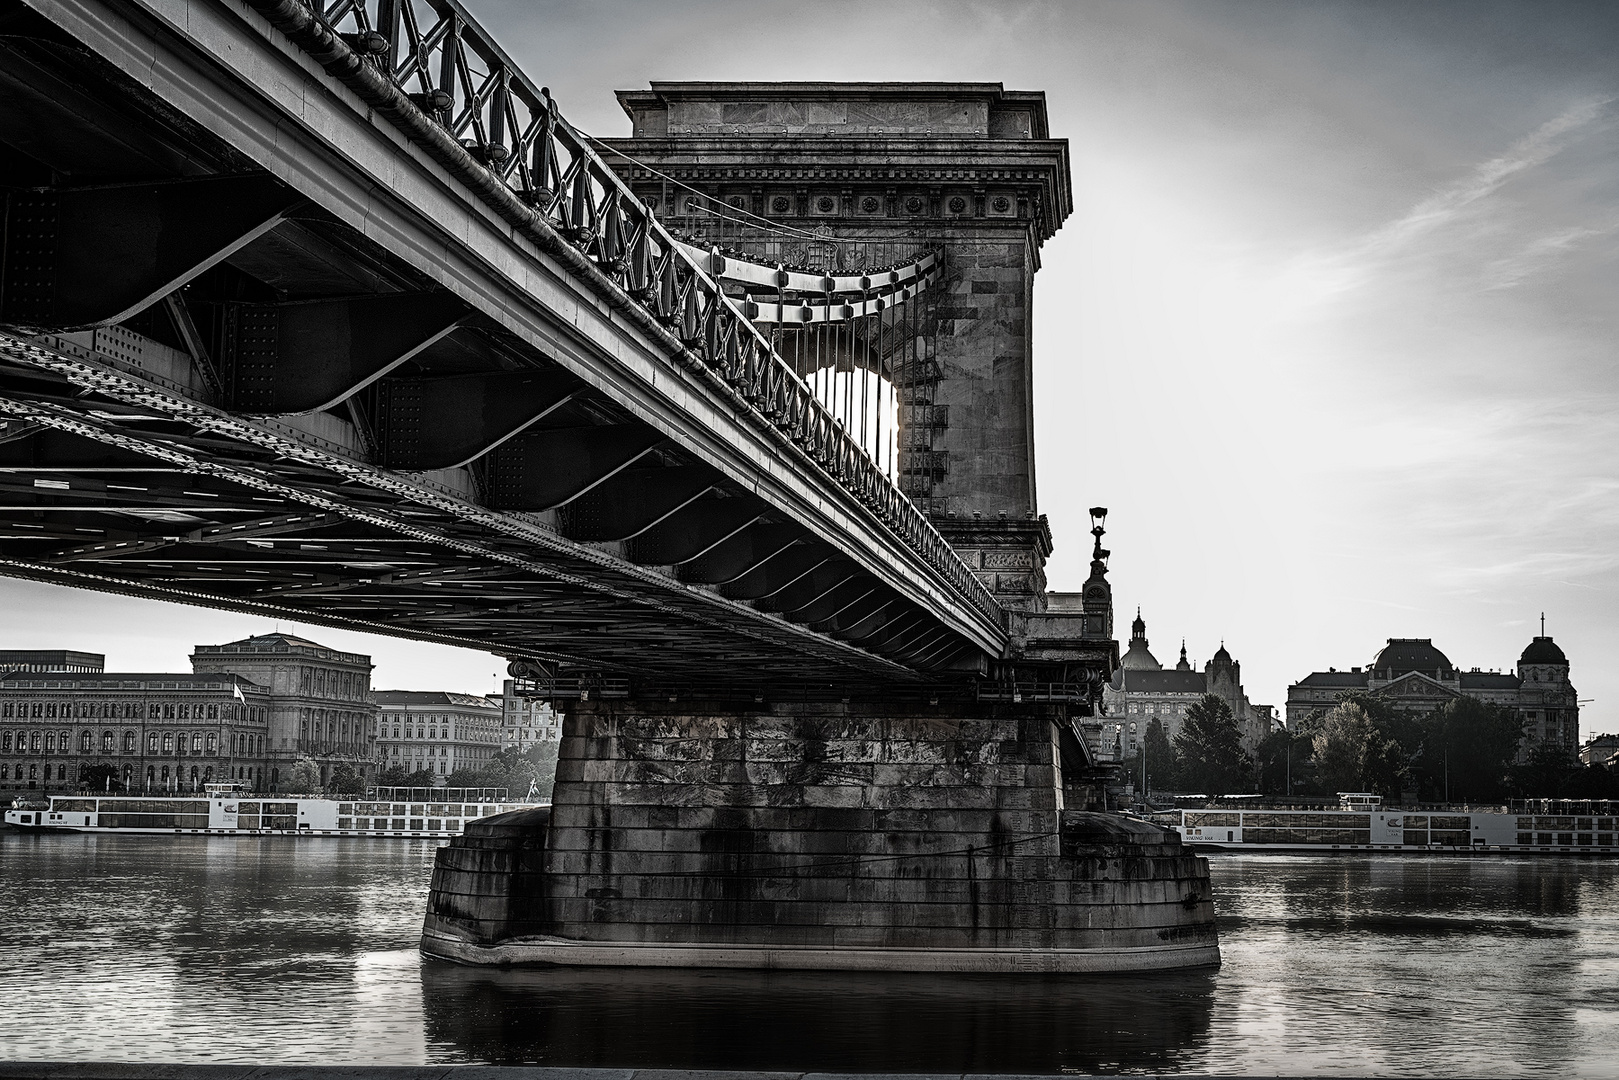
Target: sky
[{"x": 1331, "y": 331}]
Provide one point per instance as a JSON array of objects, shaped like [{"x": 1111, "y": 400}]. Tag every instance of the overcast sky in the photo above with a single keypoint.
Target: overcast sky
[{"x": 1331, "y": 331}]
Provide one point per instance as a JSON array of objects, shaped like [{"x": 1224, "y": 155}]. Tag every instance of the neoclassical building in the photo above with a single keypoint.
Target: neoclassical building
[
  {"x": 1412, "y": 675},
  {"x": 320, "y": 700},
  {"x": 1146, "y": 691},
  {"x": 156, "y": 731},
  {"x": 437, "y": 730}
]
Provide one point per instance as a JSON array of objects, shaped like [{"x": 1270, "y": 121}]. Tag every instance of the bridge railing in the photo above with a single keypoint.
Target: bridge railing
[{"x": 436, "y": 55}]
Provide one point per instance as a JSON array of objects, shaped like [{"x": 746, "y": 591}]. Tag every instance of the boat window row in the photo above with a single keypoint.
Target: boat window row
[
  {"x": 1306, "y": 836},
  {"x": 1567, "y": 824},
  {"x": 1565, "y": 839}
]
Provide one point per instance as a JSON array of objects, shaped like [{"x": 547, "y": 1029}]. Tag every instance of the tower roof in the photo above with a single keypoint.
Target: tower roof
[{"x": 1542, "y": 650}]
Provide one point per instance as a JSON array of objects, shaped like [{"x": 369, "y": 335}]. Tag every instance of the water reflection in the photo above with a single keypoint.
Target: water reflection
[
  {"x": 813, "y": 1021},
  {"x": 195, "y": 949}
]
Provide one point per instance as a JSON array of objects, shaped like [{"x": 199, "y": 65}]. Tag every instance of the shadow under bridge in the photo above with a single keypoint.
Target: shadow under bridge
[{"x": 329, "y": 315}]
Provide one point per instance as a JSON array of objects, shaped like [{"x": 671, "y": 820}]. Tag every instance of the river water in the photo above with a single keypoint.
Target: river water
[{"x": 195, "y": 949}]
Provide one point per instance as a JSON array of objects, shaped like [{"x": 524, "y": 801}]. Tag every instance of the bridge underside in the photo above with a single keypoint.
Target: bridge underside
[{"x": 217, "y": 390}]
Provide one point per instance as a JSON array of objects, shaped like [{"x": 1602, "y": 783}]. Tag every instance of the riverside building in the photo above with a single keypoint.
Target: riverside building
[
  {"x": 154, "y": 732},
  {"x": 437, "y": 730},
  {"x": 320, "y": 701},
  {"x": 525, "y": 722},
  {"x": 1150, "y": 692},
  {"x": 1412, "y": 675}
]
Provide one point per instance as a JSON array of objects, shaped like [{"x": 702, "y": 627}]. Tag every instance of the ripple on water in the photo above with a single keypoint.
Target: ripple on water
[{"x": 276, "y": 950}]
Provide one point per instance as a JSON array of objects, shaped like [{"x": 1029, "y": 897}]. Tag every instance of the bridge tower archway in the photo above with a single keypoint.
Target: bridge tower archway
[{"x": 824, "y": 173}]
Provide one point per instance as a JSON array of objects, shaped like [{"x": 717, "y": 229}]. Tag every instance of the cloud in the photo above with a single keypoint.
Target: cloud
[
  {"x": 1349, "y": 266},
  {"x": 1540, "y": 253}
]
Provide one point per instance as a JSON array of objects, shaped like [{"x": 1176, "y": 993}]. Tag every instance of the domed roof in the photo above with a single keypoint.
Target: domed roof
[
  {"x": 1220, "y": 654},
  {"x": 1401, "y": 655},
  {"x": 1543, "y": 650},
  {"x": 1138, "y": 658}
]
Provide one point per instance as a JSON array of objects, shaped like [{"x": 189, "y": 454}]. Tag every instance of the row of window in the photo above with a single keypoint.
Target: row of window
[
  {"x": 199, "y": 742},
  {"x": 338, "y": 684},
  {"x": 130, "y": 710}
]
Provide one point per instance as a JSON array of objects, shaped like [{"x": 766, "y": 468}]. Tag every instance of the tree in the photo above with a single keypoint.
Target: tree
[
  {"x": 1354, "y": 751},
  {"x": 392, "y": 776},
  {"x": 1466, "y": 751},
  {"x": 472, "y": 778},
  {"x": 1547, "y": 773},
  {"x": 100, "y": 778},
  {"x": 302, "y": 779},
  {"x": 346, "y": 780},
  {"x": 1209, "y": 747},
  {"x": 1285, "y": 764},
  {"x": 531, "y": 769}
]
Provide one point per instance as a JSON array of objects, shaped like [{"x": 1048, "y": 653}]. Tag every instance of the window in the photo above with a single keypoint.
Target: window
[
  {"x": 213, "y": 712},
  {"x": 50, "y": 742},
  {"x": 168, "y": 744},
  {"x": 50, "y": 709},
  {"x": 185, "y": 711},
  {"x": 129, "y": 742},
  {"x": 211, "y": 743},
  {"x": 61, "y": 771},
  {"x": 151, "y": 743},
  {"x": 168, "y": 711},
  {"x": 155, "y": 712},
  {"x": 196, "y": 742},
  {"x": 106, "y": 742},
  {"x": 5, "y": 742},
  {"x": 38, "y": 710},
  {"x": 84, "y": 743}
]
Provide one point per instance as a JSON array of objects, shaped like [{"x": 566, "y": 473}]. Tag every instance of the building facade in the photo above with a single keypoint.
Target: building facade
[
  {"x": 320, "y": 700},
  {"x": 525, "y": 722},
  {"x": 436, "y": 730},
  {"x": 1412, "y": 675},
  {"x": 1146, "y": 691},
  {"x": 156, "y": 732}
]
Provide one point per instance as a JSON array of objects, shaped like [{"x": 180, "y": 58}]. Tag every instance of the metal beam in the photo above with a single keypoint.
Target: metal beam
[
  {"x": 304, "y": 357},
  {"x": 541, "y": 470},
  {"x": 79, "y": 258},
  {"x": 633, "y": 501},
  {"x": 441, "y": 423}
]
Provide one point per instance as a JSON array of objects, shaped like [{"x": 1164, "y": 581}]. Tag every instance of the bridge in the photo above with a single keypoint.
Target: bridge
[
  {"x": 329, "y": 314},
  {"x": 721, "y": 433}
]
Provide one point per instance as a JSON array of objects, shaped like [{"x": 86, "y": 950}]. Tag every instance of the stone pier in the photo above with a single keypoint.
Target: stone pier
[{"x": 821, "y": 836}]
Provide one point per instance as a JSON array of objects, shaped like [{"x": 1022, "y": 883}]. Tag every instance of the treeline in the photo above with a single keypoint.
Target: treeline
[
  {"x": 1464, "y": 751},
  {"x": 518, "y": 771}
]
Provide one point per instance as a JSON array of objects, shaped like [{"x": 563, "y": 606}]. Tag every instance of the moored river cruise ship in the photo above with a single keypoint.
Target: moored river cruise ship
[
  {"x": 1361, "y": 823},
  {"x": 225, "y": 809}
]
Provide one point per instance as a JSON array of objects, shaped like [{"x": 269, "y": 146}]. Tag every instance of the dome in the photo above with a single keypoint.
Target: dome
[
  {"x": 1220, "y": 655},
  {"x": 1401, "y": 655},
  {"x": 1543, "y": 650},
  {"x": 1138, "y": 658}
]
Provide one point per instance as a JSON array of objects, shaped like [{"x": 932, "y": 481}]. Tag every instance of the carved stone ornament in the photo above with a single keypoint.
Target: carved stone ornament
[
  {"x": 957, "y": 204},
  {"x": 825, "y": 204},
  {"x": 914, "y": 204},
  {"x": 869, "y": 204},
  {"x": 780, "y": 204},
  {"x": 1002, "y": 204}
]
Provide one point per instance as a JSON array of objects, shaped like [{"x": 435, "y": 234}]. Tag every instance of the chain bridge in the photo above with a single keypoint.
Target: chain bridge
[
  {"x": 327, "y": 313},
  {"x": 721, "y": 433}
]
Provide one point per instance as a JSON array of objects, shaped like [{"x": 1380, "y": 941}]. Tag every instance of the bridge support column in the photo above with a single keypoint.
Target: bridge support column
[{"x": 833, "y": 836}]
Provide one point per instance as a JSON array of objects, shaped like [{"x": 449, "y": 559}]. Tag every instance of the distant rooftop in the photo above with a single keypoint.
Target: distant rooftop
[
  {"x": 109, "y": 679},
  {"x": 50, "y": 660},
  {"x": 386, "y": 698},
  {"x": 286, "y": 644}
]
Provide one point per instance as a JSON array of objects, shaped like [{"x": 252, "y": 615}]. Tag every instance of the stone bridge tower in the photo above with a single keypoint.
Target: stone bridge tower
[{"x": 969, "y": 167}]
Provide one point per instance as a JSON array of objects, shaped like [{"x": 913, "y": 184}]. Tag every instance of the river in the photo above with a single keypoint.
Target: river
[{"x": 195, "y": 949}]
